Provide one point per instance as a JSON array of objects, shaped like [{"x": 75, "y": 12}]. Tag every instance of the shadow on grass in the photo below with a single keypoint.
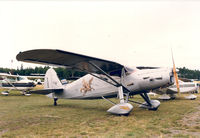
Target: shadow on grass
[{"x": 77, "y": 106}]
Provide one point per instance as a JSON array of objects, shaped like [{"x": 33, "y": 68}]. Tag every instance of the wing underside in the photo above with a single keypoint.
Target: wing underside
[{"x": 71, "y": 60}]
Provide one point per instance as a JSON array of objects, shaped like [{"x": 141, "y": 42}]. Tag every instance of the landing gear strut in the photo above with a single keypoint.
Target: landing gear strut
[
  {"x": 55, "y": 101},
  {"x": 123, "y": 107},
  {"x": 149, "y": 104}
]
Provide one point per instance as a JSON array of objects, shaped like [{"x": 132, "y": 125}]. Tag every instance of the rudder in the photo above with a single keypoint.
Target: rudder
[{"x": 51, "y": 80}]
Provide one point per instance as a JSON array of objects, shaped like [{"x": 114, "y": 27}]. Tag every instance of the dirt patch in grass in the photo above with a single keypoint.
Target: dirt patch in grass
[
  {"x": 189, "y": 125},
  {"x": 192, "y": 119}
]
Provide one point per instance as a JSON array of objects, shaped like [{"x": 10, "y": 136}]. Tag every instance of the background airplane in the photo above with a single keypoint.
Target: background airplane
[
  {"x": 126, "y": 81},
  {"x": 17, "y": 82},
  {"x": 184, "y": 87}
]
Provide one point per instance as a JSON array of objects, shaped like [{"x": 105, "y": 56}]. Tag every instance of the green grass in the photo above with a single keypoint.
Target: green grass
[{"x": 35, "y": 116}]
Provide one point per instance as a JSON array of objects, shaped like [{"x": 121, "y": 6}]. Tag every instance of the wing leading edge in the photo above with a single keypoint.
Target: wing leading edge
[{"x": 71, "y": 60}]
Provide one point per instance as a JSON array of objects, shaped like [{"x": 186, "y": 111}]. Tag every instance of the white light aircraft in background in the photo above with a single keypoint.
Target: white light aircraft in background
[
  {"x": 185, "y": 87},
  {"x": 15, "y": 82},
  {"x": 111, "y": 79}
]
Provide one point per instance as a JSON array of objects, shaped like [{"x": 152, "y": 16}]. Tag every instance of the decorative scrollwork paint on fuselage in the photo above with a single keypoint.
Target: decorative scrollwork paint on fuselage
[{"x": 86, "y": 87}]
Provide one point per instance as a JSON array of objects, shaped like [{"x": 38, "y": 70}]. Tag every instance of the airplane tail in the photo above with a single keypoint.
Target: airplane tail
[{"x": 51, "y": 80}]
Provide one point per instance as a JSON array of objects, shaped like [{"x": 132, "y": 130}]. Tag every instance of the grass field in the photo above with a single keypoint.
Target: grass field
[{"x": 35, "y": 116}]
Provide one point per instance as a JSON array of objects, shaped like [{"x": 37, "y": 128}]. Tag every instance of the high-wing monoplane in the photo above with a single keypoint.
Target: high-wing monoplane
[
  {"x": 116, "y": 79},
  {"x": 15, "y": 82}
]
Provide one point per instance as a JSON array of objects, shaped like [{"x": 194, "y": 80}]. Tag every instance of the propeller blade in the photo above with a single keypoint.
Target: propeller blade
[{"x": 175, "y": 75}]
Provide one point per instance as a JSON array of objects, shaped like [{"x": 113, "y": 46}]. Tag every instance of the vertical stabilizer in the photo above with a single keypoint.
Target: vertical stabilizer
[{"x": 51, "y": 80}]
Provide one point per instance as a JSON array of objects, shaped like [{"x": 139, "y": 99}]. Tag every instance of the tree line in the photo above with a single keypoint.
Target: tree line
[
  {"x": 188, "y": 73},
  {"x": 64, "y": 73}
]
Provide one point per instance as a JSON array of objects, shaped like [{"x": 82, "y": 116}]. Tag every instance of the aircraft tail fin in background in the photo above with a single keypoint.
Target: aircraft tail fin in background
[{"x": 51, "y": 80}]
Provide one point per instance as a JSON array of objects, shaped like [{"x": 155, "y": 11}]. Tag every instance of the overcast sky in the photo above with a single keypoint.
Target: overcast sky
[{"x": 129, "y": 32}]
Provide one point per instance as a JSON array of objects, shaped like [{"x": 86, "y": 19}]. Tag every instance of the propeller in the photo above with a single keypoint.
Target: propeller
[{"x": 175, "y": 74}]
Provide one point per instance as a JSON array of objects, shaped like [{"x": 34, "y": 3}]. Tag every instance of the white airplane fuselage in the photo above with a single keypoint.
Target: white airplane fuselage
[{"x": 90, "y": 87}]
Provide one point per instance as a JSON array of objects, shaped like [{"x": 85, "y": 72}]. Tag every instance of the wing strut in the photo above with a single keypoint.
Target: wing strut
[
  {"x": 103, "y": 72},
  {"x": 102, "y": 79},
  {"x": 94, "y": 65},
  {"x": 11, "y": 84}
]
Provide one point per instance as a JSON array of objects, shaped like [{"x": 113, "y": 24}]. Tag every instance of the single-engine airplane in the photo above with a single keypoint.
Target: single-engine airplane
[
  {"x": 116, "y": 79},
  {"x": 15, "y": 82}
]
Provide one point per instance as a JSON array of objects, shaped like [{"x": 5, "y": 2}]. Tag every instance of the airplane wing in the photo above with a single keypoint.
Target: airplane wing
[
  {"x": 5, "y": 75},
  {"x": 71, "y": 60}
]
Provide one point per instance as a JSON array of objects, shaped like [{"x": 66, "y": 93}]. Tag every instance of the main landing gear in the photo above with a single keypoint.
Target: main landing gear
[
  {"x": 149, "y": 104},
  {"x": 55, "y": 101},
  {"x": 123, "y": 107}
]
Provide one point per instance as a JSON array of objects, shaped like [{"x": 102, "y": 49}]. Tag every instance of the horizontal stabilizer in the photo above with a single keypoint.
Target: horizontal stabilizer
[{"x": 47, "y": 91}]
